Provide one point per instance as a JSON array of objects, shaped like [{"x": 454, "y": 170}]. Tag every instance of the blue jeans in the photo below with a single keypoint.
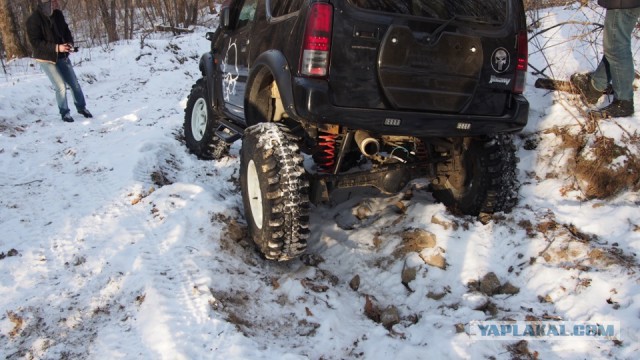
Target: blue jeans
[
  {"x": 616, "y": 66},
  {"x": 61, "y": 74}
]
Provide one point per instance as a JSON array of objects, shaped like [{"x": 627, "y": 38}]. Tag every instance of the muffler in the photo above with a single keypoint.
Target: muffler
[{"x": 367, "y": 145}]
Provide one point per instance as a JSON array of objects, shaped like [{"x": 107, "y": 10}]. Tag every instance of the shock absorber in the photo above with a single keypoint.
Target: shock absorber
[{"x": 325, "y": 154}]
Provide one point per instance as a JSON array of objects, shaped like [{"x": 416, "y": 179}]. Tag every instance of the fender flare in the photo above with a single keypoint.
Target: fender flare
[
  {"x": 208, "y": 69},
  {"x": 276, "y": 63}
]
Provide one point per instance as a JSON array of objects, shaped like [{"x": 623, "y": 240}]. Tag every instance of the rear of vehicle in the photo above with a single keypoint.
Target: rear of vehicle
[
  {"x": 421, "y": 67},
  {"x": 424, "y": 88},
  {"x": 378, "y": 92}
]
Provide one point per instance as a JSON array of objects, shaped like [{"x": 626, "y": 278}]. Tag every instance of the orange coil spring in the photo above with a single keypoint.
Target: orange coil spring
[
  {"x": 421, "y": 151},
  {"x": 326, "y": 156}
]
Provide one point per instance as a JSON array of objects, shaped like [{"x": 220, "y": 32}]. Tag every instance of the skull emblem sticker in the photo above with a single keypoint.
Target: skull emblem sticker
[{"x": 500, "y": 60}]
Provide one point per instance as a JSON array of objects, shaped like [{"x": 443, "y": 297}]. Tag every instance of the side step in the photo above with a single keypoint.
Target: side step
[{"x": 228, "y": 131}]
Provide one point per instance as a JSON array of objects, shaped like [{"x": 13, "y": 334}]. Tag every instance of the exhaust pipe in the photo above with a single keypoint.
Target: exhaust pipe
[{"x": 367, "y": 145}]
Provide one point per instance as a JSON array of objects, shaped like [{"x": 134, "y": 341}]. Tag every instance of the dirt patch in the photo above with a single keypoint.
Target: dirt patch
[
  {"x": 252, "y": 317},
  {"x": 600, "y": 167},
  {"x": 520, "y": 351},
  {"x": 604, "y": 169},
  {"x": 571, "y": 248},
  {"x": 10, "y": 129}
]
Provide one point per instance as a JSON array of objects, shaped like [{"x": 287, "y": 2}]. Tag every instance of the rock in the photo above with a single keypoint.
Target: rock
[
  {"x": 160, "y": 179},
  {"x": 235, "y": 231},
  {"x": 474, "y": 285},
  {"x": 377, "y": 241},
  {"x": 422, "y": 239},
  {"x": 489, "y": 284},
  {"x": 327, "y": 276},
  {"x": 136, "y": 199},
  {"x": 390, "y": 316},
  {"x": 520, "y": 350},
  {"x": 545, "y": 299},
  {"x": 354, "y": 284},
  {"x": 309, "y": 284},
  {"x": 445, "y": 224},
  {"x": 410, "y": 269},
  {"x": 311, "y": 259},
  {"x": 435, "y": 260},
  {"x": 416, "y": 240},
  {"x": 475, "y": 300},
  {"x": 371, "y": 309},
  {"x": 436, "y": 296},
  {"x": 408, "y": 274},
  {"x": 490, "y": 308},
  {"x": 459, "y": 328},
  {"x": 508, "y": 289},
  {"x": 485, "y": 218}
]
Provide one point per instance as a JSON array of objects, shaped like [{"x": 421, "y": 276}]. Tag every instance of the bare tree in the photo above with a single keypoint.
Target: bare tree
[
  {"x": 192, "y": 7},
  {"x": 13, "y": 45},
  {"x": 99, "y": 22},
  {"x": 108, "y": 13},
  {"x": 128, "y": 19}
]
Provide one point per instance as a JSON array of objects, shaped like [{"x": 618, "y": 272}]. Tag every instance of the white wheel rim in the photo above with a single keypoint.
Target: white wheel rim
[
  {"x": 199, "y": 119},
  {"x": 255, "y": 196}
]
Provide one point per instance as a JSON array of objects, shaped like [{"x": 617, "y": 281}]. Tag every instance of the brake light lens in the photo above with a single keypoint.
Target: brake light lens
[
  {"x": 314, "y": 60},
  {"x": 522, "y": 63}
]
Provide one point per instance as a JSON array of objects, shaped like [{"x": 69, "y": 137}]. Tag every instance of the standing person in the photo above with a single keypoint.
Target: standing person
[
  {"x": 52, "y": 42},
  {"x": 616, "y": 66}
]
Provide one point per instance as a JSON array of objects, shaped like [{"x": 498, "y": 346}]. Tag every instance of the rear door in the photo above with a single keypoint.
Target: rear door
[
  {"x": 236, "y": 55},
  {"x": 425, "y": 55}
]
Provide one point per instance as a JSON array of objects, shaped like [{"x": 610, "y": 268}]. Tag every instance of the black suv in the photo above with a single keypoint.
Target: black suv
[{"x": 332, "y": 94}]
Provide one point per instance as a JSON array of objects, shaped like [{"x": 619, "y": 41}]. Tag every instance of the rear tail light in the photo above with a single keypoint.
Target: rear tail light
[
  {"x": 314, "y": 60},
  {"x": 521, "y": 64}
]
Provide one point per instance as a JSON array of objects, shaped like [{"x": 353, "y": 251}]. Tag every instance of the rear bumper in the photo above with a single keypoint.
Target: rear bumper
[{"x": 315, "y": 106}]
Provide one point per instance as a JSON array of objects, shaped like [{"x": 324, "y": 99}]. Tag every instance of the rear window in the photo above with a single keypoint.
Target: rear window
[
  {"x": 284, "y": 7},
  {"x": 481, "y": 11}
]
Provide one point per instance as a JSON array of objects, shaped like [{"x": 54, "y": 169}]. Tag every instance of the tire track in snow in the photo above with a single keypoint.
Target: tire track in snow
[
  {"x": 67, "y": 276},
  {"x": 173, "y": 306},
  {"x": 199, "y": 279},
  {"x": 142, "y": 277}
]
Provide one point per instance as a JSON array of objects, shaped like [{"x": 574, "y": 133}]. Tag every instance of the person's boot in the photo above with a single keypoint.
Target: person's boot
[
  {"x": 85, "y": 113},
  {"x": 67, "y": 117},
  {"x": 617, "y": 108},
  {"x": 582, "y": 83}
]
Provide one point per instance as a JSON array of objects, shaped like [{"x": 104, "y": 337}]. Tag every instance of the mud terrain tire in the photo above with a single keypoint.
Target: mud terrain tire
[
  {"x": 200, "y": 125},
  {"x": 275, "y": 191},
  {"x": 485, "y": 180}
]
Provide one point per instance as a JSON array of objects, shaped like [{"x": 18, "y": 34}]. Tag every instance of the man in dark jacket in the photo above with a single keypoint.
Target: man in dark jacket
[
  {"x": 52, "y": 42},
  {"x": 616, "y": 66}
]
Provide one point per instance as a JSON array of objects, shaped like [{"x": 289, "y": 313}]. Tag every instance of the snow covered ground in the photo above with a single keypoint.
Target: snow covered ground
[{"x": 115, "y": 242}]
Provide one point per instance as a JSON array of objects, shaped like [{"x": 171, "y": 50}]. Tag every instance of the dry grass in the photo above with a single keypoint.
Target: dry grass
[
  {"x": 600, "y": 167},
  {"x": 541, "y": 4},
  {"x": 605, "y": 169},
  {"x": 570, "y": 248},
  {"x": 17, "y": 321}
]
